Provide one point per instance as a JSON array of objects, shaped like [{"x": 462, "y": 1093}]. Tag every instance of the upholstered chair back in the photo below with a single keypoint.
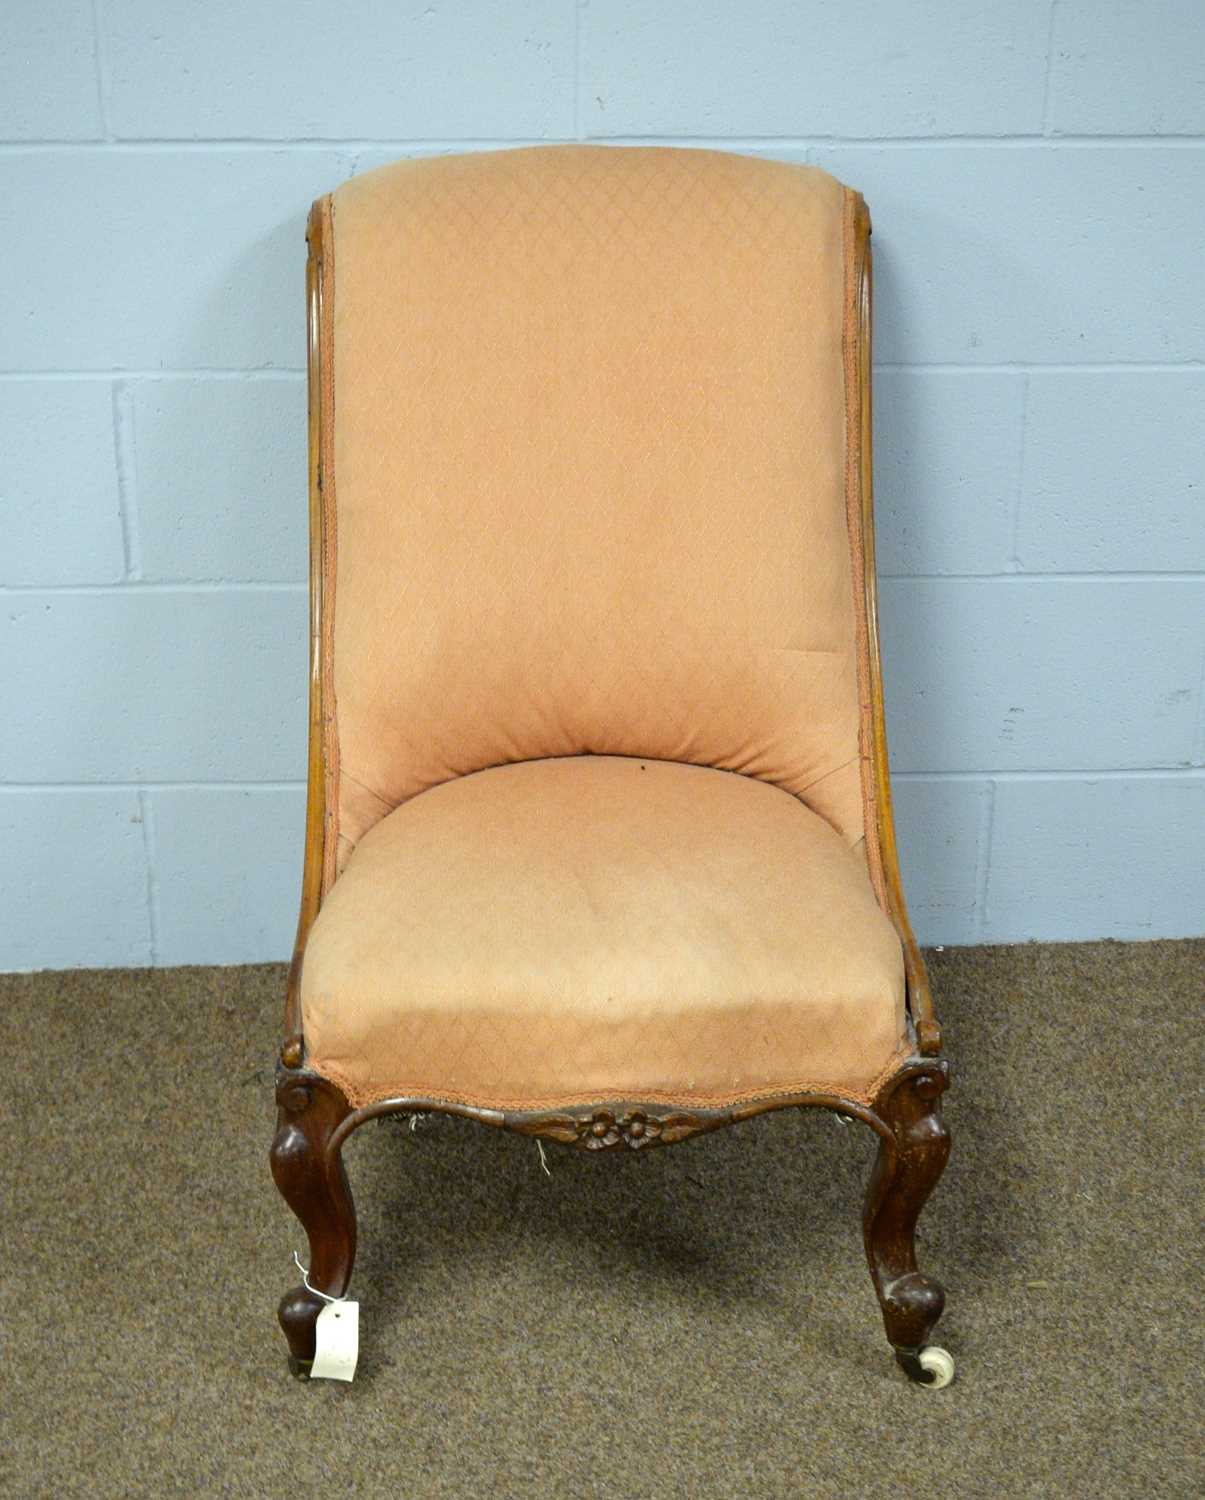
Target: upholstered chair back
[{"x": 589, "y": 474}]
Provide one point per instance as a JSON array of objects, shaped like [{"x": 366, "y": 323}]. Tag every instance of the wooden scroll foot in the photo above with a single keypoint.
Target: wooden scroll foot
[
  {"x": 310, "y": 1176},
  {"x": 905, "y": 1173}
]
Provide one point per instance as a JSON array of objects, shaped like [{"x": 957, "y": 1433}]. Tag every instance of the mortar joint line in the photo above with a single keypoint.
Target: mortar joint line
[
  {"x": 1198, "y": 749},
  {"x": 578, "y": 130},
  {"x": 100, "y": 60},
  {"x": 1014, "y": 556},
  {"x": 125, "y": 460},
  {"x": 1047, "y": 82},
  {"x": 149, "y": 852},
  {"x": 987, "y": 831}
]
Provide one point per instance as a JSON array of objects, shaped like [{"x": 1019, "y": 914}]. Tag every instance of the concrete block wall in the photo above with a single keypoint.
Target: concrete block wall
[{"x": 1036, "y": 172}]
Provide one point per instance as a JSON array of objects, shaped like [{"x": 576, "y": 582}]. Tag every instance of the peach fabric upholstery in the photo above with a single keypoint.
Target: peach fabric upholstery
[
  {"x": 573, "y": 930},
  {"x": 585, "y": 491}
]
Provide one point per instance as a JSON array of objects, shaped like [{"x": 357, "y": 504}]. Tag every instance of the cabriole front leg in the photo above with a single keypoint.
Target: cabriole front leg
[
  {"x": 909, "y": 1163},
  {"x": 309, "y": 1173}
]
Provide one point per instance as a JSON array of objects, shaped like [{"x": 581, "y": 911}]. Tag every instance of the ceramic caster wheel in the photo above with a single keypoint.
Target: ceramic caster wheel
[
  {"x": 931, "y": 1366},
  {"x": 938, "y": 1365}
]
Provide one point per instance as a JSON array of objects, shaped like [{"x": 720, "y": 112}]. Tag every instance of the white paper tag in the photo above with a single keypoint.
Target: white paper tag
[{"x": 336, "y": 1342}]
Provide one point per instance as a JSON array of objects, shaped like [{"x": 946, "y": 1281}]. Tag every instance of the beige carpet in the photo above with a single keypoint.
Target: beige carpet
[{"x": 693, "y": 1322}]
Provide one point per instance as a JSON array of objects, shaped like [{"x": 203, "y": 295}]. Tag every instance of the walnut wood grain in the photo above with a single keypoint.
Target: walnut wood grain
[
  {"x": 307, "y": 1165},
  {"x": 911, "y": 1158},
  {"x": 315, "y": 1121}
]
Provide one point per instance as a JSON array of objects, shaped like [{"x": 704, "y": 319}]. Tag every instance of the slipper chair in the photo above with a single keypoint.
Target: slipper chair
[{"x": 599, "y": 842}]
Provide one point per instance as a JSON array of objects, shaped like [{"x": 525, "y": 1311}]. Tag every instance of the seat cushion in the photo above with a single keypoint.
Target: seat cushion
[{"x": 597, "y": 927}]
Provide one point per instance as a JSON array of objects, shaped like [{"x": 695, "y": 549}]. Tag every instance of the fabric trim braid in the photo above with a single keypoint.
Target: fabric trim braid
[{"x": 865, "y": 1093}]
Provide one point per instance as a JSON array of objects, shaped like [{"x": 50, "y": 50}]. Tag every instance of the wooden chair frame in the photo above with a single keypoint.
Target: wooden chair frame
[{"x": 315, "y": 1119}]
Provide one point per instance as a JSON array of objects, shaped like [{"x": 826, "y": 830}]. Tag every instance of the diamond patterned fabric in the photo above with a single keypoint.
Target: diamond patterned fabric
[
  {"x": 586, "y": 555},
  {"x": 575, "y": 930},
  {"x": 588, "y": 472}
]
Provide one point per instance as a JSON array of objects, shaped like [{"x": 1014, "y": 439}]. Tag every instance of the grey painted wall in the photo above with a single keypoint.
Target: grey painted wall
[{"x": 1036, "y": 173}]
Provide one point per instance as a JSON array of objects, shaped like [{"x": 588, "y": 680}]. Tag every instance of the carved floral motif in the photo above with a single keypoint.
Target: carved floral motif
[{"x": 605, "y": 1130}]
